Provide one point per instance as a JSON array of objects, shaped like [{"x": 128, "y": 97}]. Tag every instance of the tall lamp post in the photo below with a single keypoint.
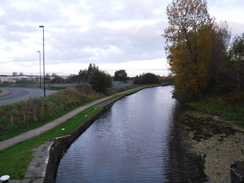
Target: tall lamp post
[
  {"x": 40, "y": 77},
  {"x": 42, "y": 26}
]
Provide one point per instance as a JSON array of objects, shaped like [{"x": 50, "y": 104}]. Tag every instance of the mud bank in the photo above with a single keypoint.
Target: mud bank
[{"x": 220, "y": 143}]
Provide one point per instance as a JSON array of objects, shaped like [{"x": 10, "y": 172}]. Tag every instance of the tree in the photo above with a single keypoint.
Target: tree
[
  {"x": 219, "y": 54},
  {"x": 147, "y": 78},
  {"x": 73, "y": 79},
  {"x": 57, "y": 79},
  {"x": 85, "y": 75},
  {"x": 188, "y": 45},
  {"x": 48, "y": 77},
  {"x": 236, "y": 54},
  {"x": 91, "y": 69},
  {"x": 100, "y": 81},
  {"x": 120, "y": 75}
]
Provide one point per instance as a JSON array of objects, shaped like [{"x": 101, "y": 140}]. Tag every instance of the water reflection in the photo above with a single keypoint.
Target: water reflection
[
  {"x": 181, "y": 164},
  {"x": 135, "y": 141}
]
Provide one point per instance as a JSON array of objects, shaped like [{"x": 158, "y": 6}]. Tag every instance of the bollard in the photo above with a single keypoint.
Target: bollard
[{"x": 5, "y": 178}]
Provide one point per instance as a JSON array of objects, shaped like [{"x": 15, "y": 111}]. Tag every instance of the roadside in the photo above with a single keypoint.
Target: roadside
[
  {"x": 12, "y": 95},
  {"x": 5, "y": 93}
]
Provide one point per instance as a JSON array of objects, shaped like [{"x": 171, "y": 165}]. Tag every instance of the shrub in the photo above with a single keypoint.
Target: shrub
[{"x": 36, "y": 110}]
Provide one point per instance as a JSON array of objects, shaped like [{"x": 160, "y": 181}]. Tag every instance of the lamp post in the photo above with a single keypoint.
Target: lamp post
[
  {"x": 40, "y": 69},
  {"x": 42, "y": 26}
]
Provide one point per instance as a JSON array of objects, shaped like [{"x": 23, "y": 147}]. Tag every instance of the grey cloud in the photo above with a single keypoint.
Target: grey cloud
[
  {"x": 71, "y": 38},
  {"x": 131, "y": 10},
  {"x": 143, "y": 44}
]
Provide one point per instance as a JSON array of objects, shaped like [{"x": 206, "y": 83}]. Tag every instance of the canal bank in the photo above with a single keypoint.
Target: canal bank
[
  {"x": 46, "y": 157},
  {"x": 139, "y": 139},
  {"x": 219, "y": 142},
  {"x": 40, "y": 169}
]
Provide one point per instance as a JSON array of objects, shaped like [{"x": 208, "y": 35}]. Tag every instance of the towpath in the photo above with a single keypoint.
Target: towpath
[{"x": 32, "y": 133}]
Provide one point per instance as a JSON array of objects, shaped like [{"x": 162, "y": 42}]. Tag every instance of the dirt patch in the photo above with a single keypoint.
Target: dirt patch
[{"x": 219, "y": 142}]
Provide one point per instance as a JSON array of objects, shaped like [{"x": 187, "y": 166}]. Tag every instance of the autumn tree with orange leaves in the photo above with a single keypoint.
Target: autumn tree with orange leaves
[{"x": 190, "y": 39}]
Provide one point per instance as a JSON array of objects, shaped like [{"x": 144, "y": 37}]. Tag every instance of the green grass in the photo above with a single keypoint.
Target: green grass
[
  {"x": 15, "y": 130},
  {"x": 227, "y": 112},
  {"x": 127, "y": 92},
  {"x": 55, "y": 88},
  {"x": 15, "y": 159},
  {"x": 133, "y": 90},
  {"x": 56, "y": 105},
  {"x": 1, "y": 91}
]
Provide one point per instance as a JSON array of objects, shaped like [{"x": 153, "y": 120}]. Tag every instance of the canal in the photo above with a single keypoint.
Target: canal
[{"x": 139, "y": 139}]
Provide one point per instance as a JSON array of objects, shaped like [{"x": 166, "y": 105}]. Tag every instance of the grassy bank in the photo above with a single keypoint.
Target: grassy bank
[
  {"x": 232, "y": 113},
  {"x": 15, "y": 160},
  {"x": 29, "y": 114}
]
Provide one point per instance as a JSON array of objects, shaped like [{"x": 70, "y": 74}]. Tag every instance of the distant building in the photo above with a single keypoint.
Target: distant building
[
  {"x": 15, "y": 73},
  {"x": 13, "y": 78}
]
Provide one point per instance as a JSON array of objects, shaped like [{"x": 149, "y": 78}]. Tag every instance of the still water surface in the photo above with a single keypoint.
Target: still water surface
[{"x": 138, "y": 140}]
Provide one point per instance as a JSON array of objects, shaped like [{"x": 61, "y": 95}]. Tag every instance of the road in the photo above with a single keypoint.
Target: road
[{"x": 18, "y": 94}]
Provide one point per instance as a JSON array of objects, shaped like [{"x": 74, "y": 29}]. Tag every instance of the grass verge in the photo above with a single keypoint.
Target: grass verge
[
  {"x": 15, "y": 160},
  {"x": 29, "y": 114},
  {"x": 231, "y": 113},
  {"x": 134, "y": 90},
  {"x": 18, "y": 129}
]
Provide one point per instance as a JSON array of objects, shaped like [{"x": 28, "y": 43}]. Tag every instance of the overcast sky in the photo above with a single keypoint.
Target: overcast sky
[{"x": 113, "y": 34}]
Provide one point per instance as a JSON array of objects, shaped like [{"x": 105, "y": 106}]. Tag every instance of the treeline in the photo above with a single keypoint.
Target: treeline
[
  {"x": 147, "y": 78},
  {"x": 99, "y": 80},
  {"x": 202, "y": 56}
]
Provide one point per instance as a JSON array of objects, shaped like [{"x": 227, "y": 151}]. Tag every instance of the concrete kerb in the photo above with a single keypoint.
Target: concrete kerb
[{"x": 5, "y": 93}]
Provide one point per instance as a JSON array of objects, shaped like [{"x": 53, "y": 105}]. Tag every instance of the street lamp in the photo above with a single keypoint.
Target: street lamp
[
  {"x": 40, "y": 69},
  {"x": 42, "y": 26}
]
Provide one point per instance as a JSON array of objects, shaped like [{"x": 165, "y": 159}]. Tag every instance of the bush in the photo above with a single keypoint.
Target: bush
[
  {"x": 35, "y": 110},
  {"x": 101, "y": 81}
]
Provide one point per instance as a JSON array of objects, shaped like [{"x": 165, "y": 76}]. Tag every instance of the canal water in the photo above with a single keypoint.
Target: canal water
[{"x": 139, "y": 139}]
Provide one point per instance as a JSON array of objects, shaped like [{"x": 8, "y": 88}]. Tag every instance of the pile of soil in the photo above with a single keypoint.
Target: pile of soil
[{"x": 220, "y": 143}]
